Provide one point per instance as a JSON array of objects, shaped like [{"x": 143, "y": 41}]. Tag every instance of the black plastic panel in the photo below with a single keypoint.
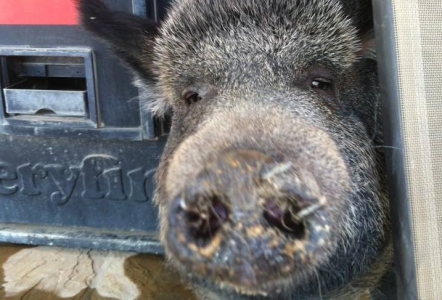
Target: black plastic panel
[
  {"x": 64, "y": 182},
  {"x": 73, "y": 182}
]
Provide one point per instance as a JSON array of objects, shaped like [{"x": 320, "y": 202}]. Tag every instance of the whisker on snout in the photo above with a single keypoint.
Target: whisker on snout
[
  {"x": 303, "y": 213},
  {"x": 183, "y": 204},
  {"x": 389, "y": 147},
  {"x": 309, "y": 210},
  {"x": 278, "y": 169}
]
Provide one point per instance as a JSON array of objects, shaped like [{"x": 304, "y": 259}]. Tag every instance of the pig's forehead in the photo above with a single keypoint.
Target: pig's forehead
[{"x": 295, "y": 32}]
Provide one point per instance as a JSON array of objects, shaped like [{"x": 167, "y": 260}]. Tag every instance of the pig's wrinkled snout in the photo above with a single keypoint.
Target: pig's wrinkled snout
[{"x": 247, "y": 217}]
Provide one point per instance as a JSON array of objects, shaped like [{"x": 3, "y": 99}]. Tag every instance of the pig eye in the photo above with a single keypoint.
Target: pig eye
[
  {"x": 191, "y": 97},
  {"x": 321, "y": 84}
]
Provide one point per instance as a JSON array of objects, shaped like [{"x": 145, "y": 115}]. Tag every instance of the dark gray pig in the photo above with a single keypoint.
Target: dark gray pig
[{"x": 272, "y": 184}]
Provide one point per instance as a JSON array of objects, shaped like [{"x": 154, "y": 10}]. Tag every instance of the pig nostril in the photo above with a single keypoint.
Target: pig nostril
[
  {"x": 193, "y": 217},
  {"x": 284, "y": 219},
  {"x": 204, "y": 223}
]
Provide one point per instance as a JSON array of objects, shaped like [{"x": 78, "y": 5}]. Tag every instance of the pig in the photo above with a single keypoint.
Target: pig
[{"x": 272, "y": 182}]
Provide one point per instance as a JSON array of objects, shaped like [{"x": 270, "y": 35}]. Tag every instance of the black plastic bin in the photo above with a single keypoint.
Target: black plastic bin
[{"x": 77, "y": 154}]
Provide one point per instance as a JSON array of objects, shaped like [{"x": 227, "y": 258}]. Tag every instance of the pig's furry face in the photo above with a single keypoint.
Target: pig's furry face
[{"x": 271, "y": 185}]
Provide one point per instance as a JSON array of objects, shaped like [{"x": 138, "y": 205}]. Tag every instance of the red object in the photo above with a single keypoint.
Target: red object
[{"x": 38, "y": 12}]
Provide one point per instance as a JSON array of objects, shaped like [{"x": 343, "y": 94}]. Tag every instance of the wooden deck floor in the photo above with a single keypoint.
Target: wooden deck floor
[{"x": 42, "y": 273}]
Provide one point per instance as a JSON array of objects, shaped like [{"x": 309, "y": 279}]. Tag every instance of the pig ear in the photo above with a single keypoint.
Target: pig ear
[
  {"x": 368, "y": 46},
  {"x": 130, "y": 36},
  {"x": 361, "y": 12}
]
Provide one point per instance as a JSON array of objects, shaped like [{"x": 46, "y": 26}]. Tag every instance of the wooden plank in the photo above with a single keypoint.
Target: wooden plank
[{"x": 44, "y": 273}]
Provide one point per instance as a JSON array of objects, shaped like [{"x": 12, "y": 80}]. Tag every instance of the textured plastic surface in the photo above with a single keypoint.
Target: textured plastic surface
[{"x": 68, "y": 179}]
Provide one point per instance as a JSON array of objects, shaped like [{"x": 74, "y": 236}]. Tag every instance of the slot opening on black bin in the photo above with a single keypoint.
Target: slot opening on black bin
[{"x": 45, "y": 87}]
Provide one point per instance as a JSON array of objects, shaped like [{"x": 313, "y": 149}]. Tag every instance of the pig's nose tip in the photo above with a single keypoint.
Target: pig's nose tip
[{"x": 202, "y": 217}]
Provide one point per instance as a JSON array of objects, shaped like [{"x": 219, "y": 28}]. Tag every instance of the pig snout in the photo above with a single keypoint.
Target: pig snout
[
  {"x": 237, "y": 186},
  {"x": 248, "y": 219},
  {"x": 272, "y": 182}
]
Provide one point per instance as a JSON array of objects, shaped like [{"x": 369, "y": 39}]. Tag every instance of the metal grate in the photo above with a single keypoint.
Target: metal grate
[{"x": 418, "y": 31}]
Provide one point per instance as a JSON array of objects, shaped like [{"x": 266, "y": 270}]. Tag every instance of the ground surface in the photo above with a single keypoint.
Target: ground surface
[
  {"x": 45, "y": 273},
  {"x": 42, "y": 273}
]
